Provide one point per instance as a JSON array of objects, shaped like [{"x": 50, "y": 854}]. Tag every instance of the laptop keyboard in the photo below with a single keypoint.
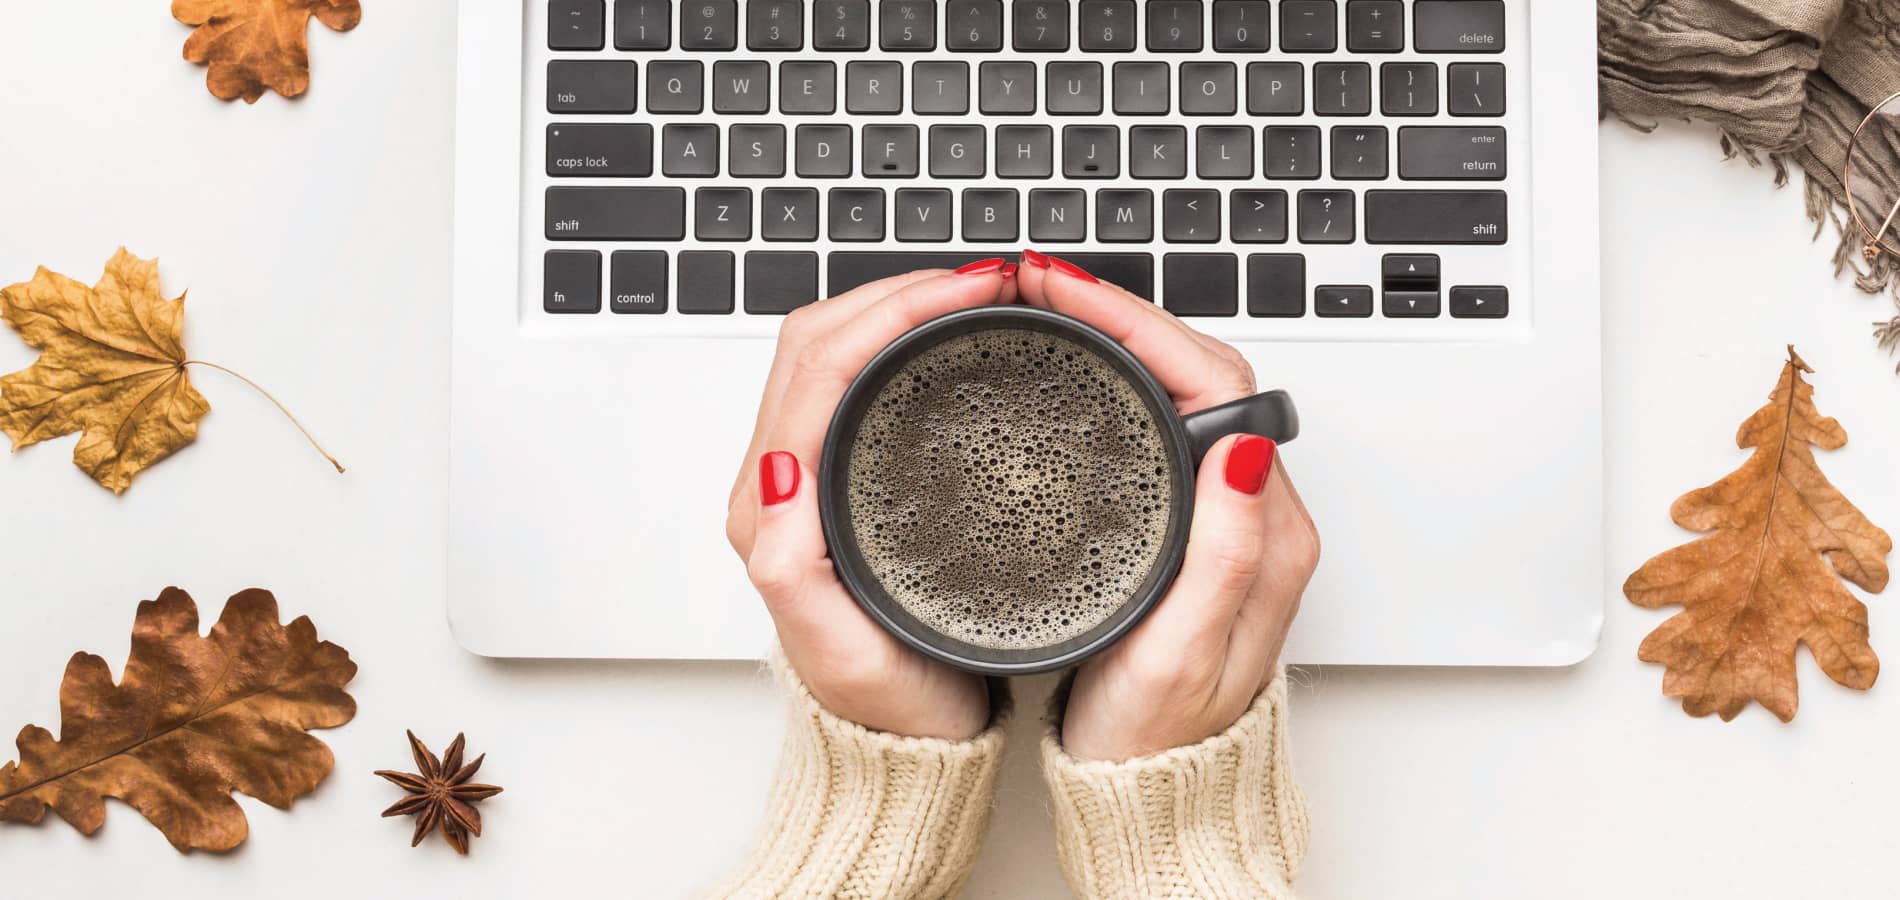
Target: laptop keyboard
[{"x": 1267, "y": 166}]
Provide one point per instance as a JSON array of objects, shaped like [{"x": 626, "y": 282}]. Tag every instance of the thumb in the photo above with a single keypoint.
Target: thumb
[{"x": 1226, "y": 546}]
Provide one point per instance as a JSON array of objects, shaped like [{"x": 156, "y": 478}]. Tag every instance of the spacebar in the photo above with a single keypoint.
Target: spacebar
[{"x": 848, "y": 269}]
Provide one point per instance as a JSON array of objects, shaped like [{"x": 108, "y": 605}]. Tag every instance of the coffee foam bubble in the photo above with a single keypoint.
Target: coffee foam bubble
[{"x": 1009, "y": 488}]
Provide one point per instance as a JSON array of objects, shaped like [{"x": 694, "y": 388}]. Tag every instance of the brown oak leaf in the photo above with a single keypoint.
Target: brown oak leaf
[
  {"x": 112, "y": 365},
  {"x": 258, "y": 45},
  {"x": 194, "y": 719},
  {"x": 1768, "y": 577}
]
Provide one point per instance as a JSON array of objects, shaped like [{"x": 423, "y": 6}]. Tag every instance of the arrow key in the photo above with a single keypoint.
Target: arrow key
[
  {"x": 1486, "y": 302},
  {"x": 1411, "y": 304},
  {"x": 1190, "y": 216},
  {"x": 1347, "y": 301}
]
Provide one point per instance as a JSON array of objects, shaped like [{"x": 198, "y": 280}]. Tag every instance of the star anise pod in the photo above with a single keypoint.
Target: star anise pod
[{"x": 441, "y": 794}]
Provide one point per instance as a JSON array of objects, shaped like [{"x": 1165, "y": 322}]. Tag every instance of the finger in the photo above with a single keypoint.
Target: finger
[
  {"x": 1292, "y": 552},
  {"x": 788, "y": 564},
  {"x": 1197, "y": 372},
  {"x": 811, "y": 321},
  {"x": 1226, "y": 552},
  {"x": 827, "y": 366}
]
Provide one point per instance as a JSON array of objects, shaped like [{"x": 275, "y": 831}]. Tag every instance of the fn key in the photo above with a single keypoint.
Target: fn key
[{"x": 570, "y": 281}]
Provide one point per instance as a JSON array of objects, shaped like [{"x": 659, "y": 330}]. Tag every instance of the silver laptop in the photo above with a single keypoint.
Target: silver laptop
[{"x": 1388, "y": 205}]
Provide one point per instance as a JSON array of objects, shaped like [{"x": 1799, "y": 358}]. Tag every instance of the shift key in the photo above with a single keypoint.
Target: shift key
[
  {"x": 1436, "y": 217},
  {"x": 616, "y": 213}
]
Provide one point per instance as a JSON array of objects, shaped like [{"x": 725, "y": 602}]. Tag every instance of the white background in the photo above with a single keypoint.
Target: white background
[{"x": 314, "y": 239}]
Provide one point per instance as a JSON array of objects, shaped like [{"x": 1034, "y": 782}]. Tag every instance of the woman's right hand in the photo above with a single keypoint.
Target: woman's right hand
[{"x": 852, "y": 667}]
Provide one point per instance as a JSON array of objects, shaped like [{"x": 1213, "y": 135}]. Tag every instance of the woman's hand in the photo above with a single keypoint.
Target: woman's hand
[
  {"x": 1195, "y": 664},
  {"x": 852, "y": 666}
]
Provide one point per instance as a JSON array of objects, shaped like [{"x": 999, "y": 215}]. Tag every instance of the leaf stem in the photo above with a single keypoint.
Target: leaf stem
[{"x": 280, "y": 406}]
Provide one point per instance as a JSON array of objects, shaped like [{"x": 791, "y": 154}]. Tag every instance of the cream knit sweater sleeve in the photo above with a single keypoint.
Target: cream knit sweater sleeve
[
  {"x": 1217, "y": 820},
  {"x": 856, "y": 813}
]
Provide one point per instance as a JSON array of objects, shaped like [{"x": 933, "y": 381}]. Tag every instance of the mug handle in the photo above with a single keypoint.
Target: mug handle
[{"x": 1270, "y": 415}]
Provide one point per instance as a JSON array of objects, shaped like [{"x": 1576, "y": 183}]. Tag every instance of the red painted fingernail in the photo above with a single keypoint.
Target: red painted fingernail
[
  {"x": 1248, "y": 463},
  {"x": 1072, "y": 270},
  {"x": 1009, "y": 270},
  {"x": 778, "y": 477},
  {"x": 982, "y": 266},
  {"x": 1032, "y": 258}
]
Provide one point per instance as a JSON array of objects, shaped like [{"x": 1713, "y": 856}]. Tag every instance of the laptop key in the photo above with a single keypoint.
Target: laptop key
[
  {"x": 1475, "y": 89},
  {"x": 1058, "y": 215},
  {"x": 1174, "y": 26},
  {"x": 1006, "y": 88},
  {"x": 1275, "y": 89},
  {"x": 779, "y": 281},
  {"x": 808, "y": 88},
  {"x": 973, "y": 26},
  {"x": 1486, "y": 302},
  {"x": 1091, "y": 151},
  {"x": 742, "y": 87},
  {"x": 676, "y": 86},
  {"x": 873, "y": 88},
  {"x": 1309, "y": 26},
  {"x": 1276, "y": 285},
  {"x": 856, "y": 214},
  {"x": 1200, "y": 284},
  {"x": 1292, "y": 151},
  {"x": 1408, "y": 89},
  {"x": 940, "y": 88},
  {"x": 592, "y": 86},
  {"x": 1242, "y": 26},
  {"x": 890, "y": 151},
  {"x": 1458, "y": 26},
  {"x": 705, "y": 282},
  {"x": 823, "y": 151},
  {"x": 958, "y": 151},
  {"x": 909, "y": 25},
  {"x": 1326, "y": 217},
  {"x": 1075, "y": 89},
  {"x": 709, "y": 25},
  {"x": 616, "y": 213},
  {"x": 722, "y": 214},
  {"x": 923, "y": 214},
  {"x": 1259, "y": 217},
  {"x": 1141, "y": 89},
  {"x": 788, "y": 214},
  {"x": 1041, "y": 26},
  {"x": 841, "y": 25},
  {"x": 576, "y": 24},
  {"x": 689, "y": 151},
  {"x": 618, "y": 150},
  {"x": 639, "y": 282},
  {"x": 1124, "y": 216},
  {"x": 775, "y": 25},
  {"x": 1359, "y": 152},
  {"x": 1436, "y": 217},
  {"x": 757, "y": 151},
  {"x": 570, "y": 281},
  {"x": 1025, "y": 151},
  {"x": 1158, "y": 151},
  {"x": 989, "y": 214},
  {"x": 1375, "y": 26},
  {"x": 1208, "y": 89},
  {"x": 1342, "y": 89},
  {"x": 1343, "y": 301},
  {"x": 1224, "y": 151},
  {"x": 643, "y": 24},
  {"x": 1190, "y": 216},
  {"x": 1108, "y": 26},
  {"x": 1451, "y": 153}
]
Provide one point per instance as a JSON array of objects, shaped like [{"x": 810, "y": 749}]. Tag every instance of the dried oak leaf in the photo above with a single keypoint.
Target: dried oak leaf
[
  {"x": 112, "y": 365},
  {"x": 1762, "y": 583},
  {"x": 258, "y": 45},
  {"x": 194, "y": 719}
]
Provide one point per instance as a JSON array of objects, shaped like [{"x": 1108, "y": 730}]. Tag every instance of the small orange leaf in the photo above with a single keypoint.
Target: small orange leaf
[
  {"x": 258, "y": 45},
  {"x": 1768, "y": 577}
]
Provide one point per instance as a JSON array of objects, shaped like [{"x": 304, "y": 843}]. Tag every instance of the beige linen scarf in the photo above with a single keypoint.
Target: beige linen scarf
[{"x": 1784, "y": 79}]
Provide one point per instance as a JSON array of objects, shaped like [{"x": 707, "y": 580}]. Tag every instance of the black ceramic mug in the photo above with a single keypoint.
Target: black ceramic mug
[{"x": 1187, "y": 440}]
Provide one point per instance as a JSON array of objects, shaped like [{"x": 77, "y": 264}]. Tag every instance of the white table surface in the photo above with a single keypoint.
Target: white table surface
[{"x": 314, "y": 239}]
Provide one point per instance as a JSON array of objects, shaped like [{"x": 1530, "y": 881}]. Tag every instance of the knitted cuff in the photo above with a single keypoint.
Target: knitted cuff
[
  {"x": 1219, "y": 819},
  {"x": 862, "y": 813}
]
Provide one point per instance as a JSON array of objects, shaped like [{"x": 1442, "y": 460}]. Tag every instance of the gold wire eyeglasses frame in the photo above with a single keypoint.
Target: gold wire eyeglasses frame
[{"x": 1876, "y": 243}]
